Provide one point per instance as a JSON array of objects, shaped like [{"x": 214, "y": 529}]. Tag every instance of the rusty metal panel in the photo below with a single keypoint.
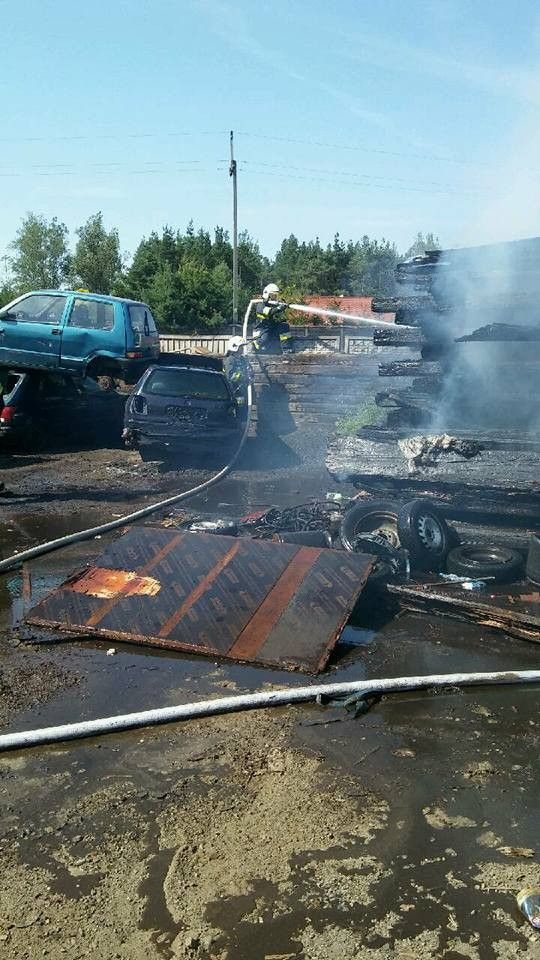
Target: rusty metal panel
[{"x": 252, "y": 600}]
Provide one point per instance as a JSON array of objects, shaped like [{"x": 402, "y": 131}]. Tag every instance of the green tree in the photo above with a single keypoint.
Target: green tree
[
  {"x": 422, "y": 244},
  {"x": 97, "y": 262},
  {"x": 41, "y": 259},
  {"x": 371, "y": 268},
  {"x": 7, "y": 292}
]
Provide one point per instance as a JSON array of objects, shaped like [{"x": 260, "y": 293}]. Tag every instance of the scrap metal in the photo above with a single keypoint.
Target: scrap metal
[{"x": 255, "y": 600}]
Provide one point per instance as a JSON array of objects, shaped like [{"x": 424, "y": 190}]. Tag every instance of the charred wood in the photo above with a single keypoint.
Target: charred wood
[
  {"x": 503, "y": 610},
  {"x": 501, "y": 332},
  {"x": 392, "y": 304},
  {"x": 399, "y": 337},
  {"x": 410, "y": 368}
]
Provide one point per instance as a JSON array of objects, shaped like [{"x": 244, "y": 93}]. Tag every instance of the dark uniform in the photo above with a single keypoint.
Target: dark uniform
[
  {"x": 272, "y": 333},
  {"x": 237, "y": 371}
]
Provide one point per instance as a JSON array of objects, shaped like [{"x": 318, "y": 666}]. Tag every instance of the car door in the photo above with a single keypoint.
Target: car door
[{"x": 30, "y": 331}]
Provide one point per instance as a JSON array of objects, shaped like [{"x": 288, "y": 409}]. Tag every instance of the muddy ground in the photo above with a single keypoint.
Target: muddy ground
[{"x": 295, "y": 832}]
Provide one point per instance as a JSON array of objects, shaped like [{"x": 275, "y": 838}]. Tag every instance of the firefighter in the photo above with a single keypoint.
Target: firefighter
[
  {"x": 272, "y": 333},
  {"x": 236, "y": 367}
]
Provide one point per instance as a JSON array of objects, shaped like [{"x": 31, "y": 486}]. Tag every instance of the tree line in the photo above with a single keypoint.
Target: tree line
[{"x": 186, "y": 277}]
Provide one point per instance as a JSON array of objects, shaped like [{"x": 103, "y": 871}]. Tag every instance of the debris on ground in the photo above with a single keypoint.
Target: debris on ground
[{"x": 427, "y": 451}]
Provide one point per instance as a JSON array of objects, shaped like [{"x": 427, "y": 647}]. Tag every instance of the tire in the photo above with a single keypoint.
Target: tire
[
  {"x": 375, "y": 516},
  {"x": 425, "y": 534},
  {"x": 391, "y": 562},
  {"x": 477, "y": 560},
  {"x": 533, "y": 560}
]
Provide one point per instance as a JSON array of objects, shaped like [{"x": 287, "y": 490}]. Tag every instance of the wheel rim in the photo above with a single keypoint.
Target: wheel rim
[
  {"x": 384, "y": 524},
  {"x": 430, "y": 533},
  {"x": 480, "y": 555}
]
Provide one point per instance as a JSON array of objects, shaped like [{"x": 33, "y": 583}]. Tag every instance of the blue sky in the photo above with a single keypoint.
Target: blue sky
[{"x": 350, "y": 116}]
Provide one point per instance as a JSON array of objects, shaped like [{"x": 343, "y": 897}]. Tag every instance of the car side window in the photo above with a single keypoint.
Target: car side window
[
  {"x": 39, "y": 308},
  {"x": 142, "y": 320},
  {"x": 91, "y": 315}
]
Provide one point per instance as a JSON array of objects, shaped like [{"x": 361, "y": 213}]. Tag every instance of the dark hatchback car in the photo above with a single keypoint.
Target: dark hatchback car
[{"x": 174, "y": 404}]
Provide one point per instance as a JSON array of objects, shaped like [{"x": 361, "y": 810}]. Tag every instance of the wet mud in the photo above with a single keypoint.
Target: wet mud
[{"x": 297, "y": 832}]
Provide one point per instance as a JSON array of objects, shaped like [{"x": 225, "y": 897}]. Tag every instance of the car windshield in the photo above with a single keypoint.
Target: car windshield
[{"x": 187, "y": 383}]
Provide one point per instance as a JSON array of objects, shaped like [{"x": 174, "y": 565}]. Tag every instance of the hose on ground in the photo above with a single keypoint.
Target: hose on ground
[
  {"x": 251, "y": 701},
  {"x": 10, "y": 563}
]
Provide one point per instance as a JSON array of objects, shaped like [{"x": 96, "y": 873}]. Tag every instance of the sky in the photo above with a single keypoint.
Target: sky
[{"x": 355, "y": 117}]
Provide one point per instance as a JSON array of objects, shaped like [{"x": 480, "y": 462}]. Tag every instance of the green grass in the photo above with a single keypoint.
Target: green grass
[{"x": 368, "y": 415}]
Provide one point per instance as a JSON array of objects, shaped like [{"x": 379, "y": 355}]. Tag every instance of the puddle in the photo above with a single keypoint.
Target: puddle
[{"x": 156, "y": 915}]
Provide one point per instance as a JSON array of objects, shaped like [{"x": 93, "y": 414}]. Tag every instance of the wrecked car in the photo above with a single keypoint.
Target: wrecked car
[
  {"x": 36, "y": 407},
  {"x": 82, "y": 334},
  {"x": 174, "y": 404}
]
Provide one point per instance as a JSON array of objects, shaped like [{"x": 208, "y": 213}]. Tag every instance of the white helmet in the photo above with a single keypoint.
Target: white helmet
[
  {"x": 271, "y": 291},
  {"x": 234, "y": 344}
]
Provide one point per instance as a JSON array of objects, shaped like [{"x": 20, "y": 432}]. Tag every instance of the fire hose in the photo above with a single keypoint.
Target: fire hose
[
  {"x": 9, "y": 563},
  {"x": 251, "y": 701}
]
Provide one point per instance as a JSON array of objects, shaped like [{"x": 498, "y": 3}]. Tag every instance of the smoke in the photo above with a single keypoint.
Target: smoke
[
  {"x": 494, "y": 384},
  {"x": 489, "y": 382}
]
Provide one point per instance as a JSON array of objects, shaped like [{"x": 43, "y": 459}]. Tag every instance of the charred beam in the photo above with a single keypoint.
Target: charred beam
[
  {"x": 400, "y": 337},
  {"x": 495, "y": 332},
  {"x": 410, "y": 368}
]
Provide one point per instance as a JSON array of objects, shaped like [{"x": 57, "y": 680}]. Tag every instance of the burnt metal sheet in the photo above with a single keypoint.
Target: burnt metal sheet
[{"x": 279, "y": 604}]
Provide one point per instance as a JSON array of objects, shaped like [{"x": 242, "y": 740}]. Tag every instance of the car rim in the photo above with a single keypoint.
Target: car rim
[
  {"x": 380, "y": 524},
  {"x": 430, "y": 533}
]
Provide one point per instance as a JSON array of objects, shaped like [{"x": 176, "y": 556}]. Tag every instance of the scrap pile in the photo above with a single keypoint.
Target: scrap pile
[{"x": 464, "y": 432}]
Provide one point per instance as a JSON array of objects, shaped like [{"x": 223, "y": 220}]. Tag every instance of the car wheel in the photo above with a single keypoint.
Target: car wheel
[
  {"x": 477, "y": 560},
  {"x": 375, "y": 516},
  {"x": 106, "y": 383},
  {"x": 425, "y": 534}
]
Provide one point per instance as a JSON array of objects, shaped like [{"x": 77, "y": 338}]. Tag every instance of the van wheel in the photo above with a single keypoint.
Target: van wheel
[{"x": 105, "y": 382}]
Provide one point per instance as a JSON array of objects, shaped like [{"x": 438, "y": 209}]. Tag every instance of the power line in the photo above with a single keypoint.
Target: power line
[
  {"x": 362, "y": 184},
  {"x": 350, "y": 173},
  {"x": 149, "y": 135},
  {"x": 347, "y": 146},
  {"x": 76, "y": 171},
  {"x": 114, "y": 136}
]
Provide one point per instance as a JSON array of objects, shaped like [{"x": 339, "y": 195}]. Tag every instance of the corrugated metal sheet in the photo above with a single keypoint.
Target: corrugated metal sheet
[{"x": 278, "y": 604}]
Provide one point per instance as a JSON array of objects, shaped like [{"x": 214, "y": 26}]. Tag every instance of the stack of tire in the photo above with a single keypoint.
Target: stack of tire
[{"x": 416, "y": 536}]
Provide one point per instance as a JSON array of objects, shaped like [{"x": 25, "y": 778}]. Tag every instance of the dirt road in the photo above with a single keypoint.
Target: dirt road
[{"x": 289, "y": 833}]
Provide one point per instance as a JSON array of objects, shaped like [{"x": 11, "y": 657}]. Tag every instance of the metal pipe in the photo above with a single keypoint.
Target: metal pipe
[{"x": 251, "y": 701}]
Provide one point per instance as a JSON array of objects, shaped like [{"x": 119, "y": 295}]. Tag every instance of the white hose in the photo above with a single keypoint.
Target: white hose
[
  {"x": 250, "y": 701},
  {"x": 10, "y": 562}
]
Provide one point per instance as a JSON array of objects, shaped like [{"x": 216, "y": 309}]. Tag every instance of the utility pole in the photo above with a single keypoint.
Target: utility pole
[{"x": 232, "y": 173}]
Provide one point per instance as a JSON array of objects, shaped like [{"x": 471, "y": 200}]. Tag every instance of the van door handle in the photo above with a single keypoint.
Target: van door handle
[{"x": 56, "y": 330}]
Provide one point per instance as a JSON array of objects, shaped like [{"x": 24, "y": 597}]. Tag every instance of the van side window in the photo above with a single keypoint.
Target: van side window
[
  {"x": 142, "y": 320},
  {"x": 91, "y": 315},
  {"x": 39, "y": 308}
]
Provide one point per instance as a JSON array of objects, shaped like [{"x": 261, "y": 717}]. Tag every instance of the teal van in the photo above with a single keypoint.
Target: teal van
[{"x": 78, "y": 333}]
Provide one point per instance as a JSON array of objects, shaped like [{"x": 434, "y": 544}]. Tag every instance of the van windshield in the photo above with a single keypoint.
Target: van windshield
[{"x": 187, "y": 383}]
